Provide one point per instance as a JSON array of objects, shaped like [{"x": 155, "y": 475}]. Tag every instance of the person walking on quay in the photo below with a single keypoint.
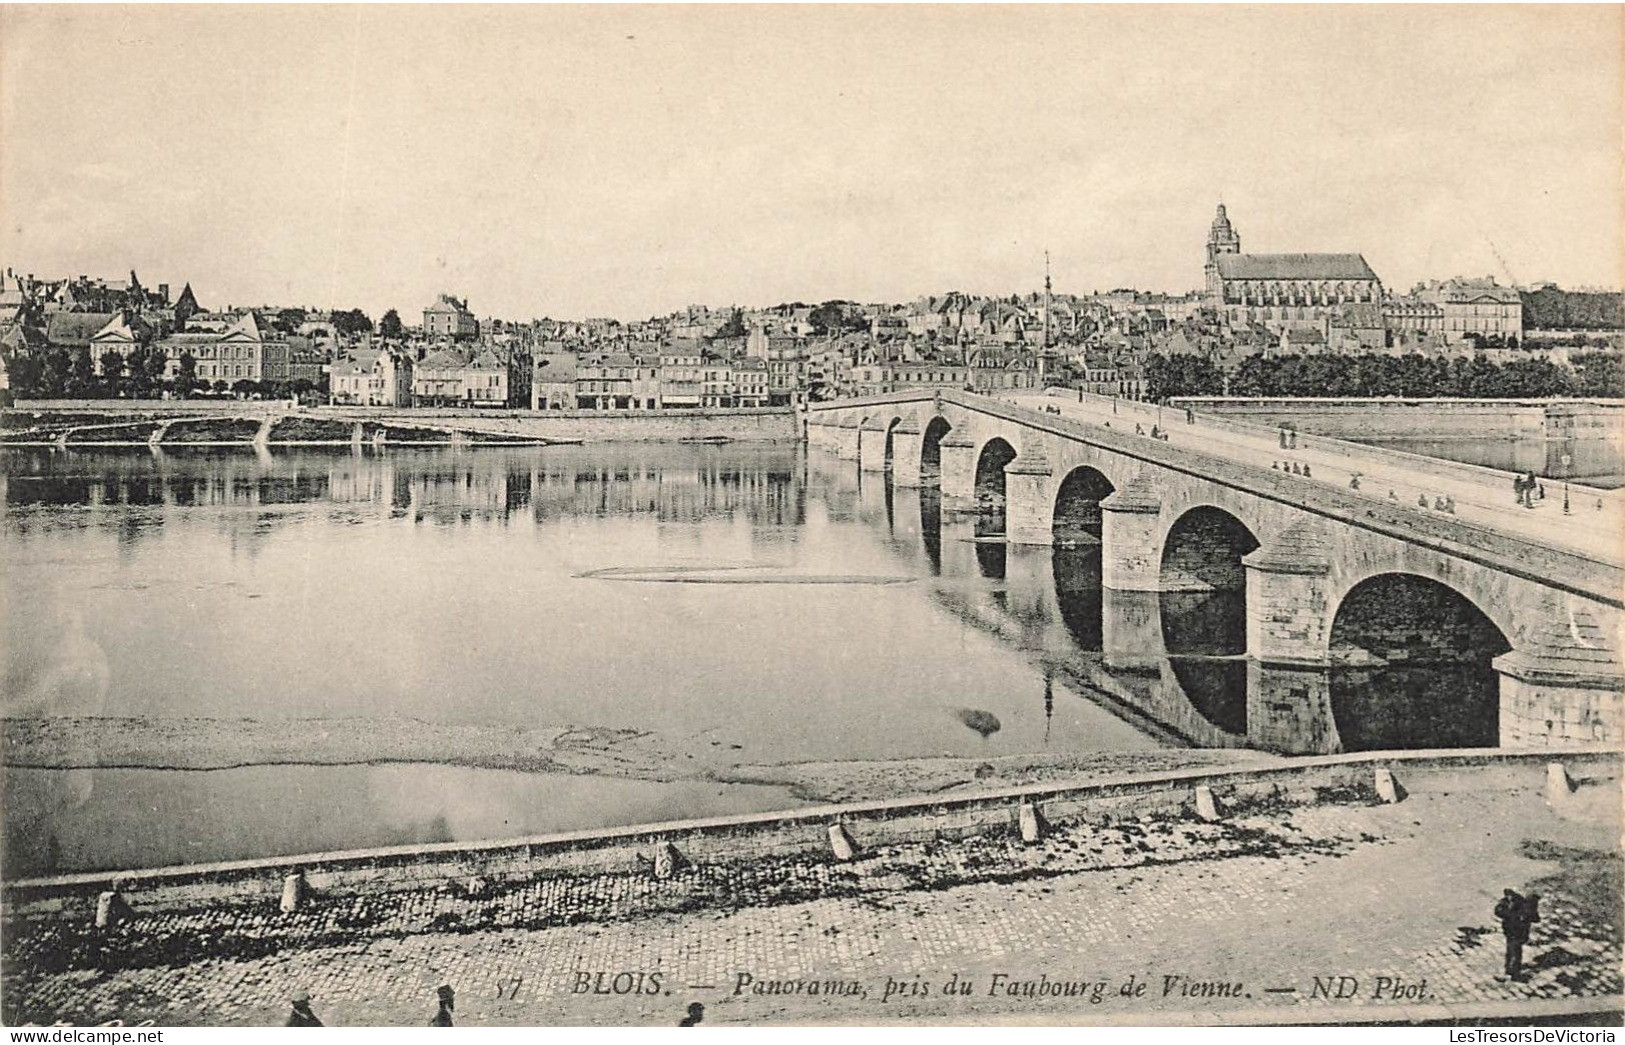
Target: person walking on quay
[
  {"x": 696, "y": 1013},
  {"x": 302, "y": 1016},
  {"x": 1516, "y": 913},
  {"x": 447, "y": 999}
]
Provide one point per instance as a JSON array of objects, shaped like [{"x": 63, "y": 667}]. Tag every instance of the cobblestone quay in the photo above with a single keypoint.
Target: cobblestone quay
[{"x": 1346, "y": 909}]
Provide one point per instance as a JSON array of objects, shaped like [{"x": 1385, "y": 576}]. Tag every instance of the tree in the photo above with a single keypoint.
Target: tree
[
  {"x": 354, "y": 321},
  {"x": 186, "y": 373},
  {"x": 140, "y": 383},
  {"x": 81, "y": 373},
  {"x": 54, "y": 379},
  {"x": 1599, "y": 374},
  {"x": 219, "y": 386},
  {"x": 289, "y": 320},
  {"x": 112, "y": 366},
  {"x": 156, "y": 363},
  {"x": 25, "y": 371},
  {"x": 390, "y": 326},
  {"x": 734, "y": 327}
]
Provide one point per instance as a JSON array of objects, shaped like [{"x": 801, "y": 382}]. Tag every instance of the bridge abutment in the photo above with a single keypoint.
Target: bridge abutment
[{"x": 907, "y": 441}]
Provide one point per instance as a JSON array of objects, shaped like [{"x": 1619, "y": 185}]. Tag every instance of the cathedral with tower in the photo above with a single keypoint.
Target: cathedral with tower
[{"x": 1283, "y": 292}]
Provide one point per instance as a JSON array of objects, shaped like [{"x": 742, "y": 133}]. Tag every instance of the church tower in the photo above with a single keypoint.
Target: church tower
[{"x": 1221, "y": 239}]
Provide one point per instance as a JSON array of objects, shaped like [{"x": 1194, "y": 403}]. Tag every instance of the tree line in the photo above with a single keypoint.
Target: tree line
[
  {"x": 63, "y": 373},
  {"x": 1553, "y": 309},
  {"x": 1594, "y": 374}
]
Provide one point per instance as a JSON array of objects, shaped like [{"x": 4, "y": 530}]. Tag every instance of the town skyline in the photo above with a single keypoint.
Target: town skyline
[{"x": 647, "y": 159}]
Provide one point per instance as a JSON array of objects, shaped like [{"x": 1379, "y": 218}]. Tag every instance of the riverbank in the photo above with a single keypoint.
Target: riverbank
[
  {"x": 205, "y": 744},
  {"x": 1148, "y": 919}
]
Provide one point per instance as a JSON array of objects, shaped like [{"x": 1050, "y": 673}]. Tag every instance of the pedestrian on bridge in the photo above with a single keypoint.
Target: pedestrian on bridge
[
  {"x": 1354, "y": 481},
  {"x": 1306, "y": 474}
]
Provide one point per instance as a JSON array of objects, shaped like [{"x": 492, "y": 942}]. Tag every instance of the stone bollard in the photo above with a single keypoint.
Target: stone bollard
[
  {"x": 1032, "y": 829},
  {"x": 1559, "y": 785},
  {"x": 111, "y": 909},
  {"x": 1206, "y": 807},
  {"x": 293, "y": 892},
  {"x": 841, "y": 843},
  {"x": 1388, "y": 789},
  {"x": 668, "y": 861}
]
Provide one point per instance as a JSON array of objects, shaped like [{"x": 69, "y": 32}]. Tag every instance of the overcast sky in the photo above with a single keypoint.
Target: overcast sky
[{"x": 630, "y": 160}]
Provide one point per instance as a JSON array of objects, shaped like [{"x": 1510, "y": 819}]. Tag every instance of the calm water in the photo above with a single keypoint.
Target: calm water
[{"x": 556, "y": 587}]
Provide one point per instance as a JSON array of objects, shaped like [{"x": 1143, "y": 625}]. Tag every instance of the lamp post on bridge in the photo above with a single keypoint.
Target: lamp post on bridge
[{"x": 1564, "y": 462}]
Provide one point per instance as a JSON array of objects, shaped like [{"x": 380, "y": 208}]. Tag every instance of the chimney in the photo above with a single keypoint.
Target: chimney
[{"x": 163, "y": 293}]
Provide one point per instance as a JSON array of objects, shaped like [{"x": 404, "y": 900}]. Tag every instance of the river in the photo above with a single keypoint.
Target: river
[{"x": 639, "y": 621}]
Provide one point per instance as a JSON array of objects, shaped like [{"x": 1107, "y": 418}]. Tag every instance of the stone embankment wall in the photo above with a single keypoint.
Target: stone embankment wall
[
  {"x": 773, "y": 424},
  {"x": 808, "y": 830},
  {"x": 1374, "y": 419}
]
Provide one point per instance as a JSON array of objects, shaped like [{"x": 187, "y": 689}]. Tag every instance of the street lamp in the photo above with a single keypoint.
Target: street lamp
[{"x": 1564, "y": 461}]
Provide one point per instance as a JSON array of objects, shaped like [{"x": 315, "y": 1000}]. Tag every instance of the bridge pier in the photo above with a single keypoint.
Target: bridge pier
[
  {"x": 1288, "y": 612},
  {"x": 846, "y": 440},
  {"x": 872, "y": 446},
  {"x": 958, "y": 473},
  {"x": 1131, "y": 537},
  {"x": 907, "y": 441},
  {"x": 1551, "y": 699},
  {"x": 1029, "y": 499}
]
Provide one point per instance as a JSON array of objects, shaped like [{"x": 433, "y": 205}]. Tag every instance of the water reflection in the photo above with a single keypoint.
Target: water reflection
[{"x": 443, "y": 585}]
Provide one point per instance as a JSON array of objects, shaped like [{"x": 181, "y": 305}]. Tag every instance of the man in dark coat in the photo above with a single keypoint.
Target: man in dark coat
[
  {"x": 447, "y": 999},
  {"x": 302, "y": 1016},
  {"x": 1515, "y": 913}
]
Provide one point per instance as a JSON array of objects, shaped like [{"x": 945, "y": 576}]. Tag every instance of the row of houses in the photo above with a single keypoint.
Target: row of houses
[{"x": 479, "y": 375}]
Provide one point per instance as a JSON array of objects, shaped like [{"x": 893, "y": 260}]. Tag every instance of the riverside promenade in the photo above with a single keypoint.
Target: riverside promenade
[{"x": 1344, "y": 910}]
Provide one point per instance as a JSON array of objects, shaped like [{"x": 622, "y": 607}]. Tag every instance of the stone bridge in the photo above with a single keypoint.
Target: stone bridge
[{"x": 1327, "y": 575}]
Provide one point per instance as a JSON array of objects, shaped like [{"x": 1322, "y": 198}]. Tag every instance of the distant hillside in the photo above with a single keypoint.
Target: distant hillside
[{"x": 1553, "y": 309}]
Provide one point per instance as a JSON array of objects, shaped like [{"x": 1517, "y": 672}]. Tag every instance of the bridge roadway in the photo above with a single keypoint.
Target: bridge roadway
[{"x": 1594, "y": 527}]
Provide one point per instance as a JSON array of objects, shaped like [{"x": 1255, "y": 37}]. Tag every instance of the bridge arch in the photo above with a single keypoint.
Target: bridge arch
[
  {"x": 1412, "y": 666},
  {"x": 990, "y": 461},
  {"x": 936, "y": 430},
  {"x": 1203, "y": 584},
  {"x": 1077, "y": 506}
]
